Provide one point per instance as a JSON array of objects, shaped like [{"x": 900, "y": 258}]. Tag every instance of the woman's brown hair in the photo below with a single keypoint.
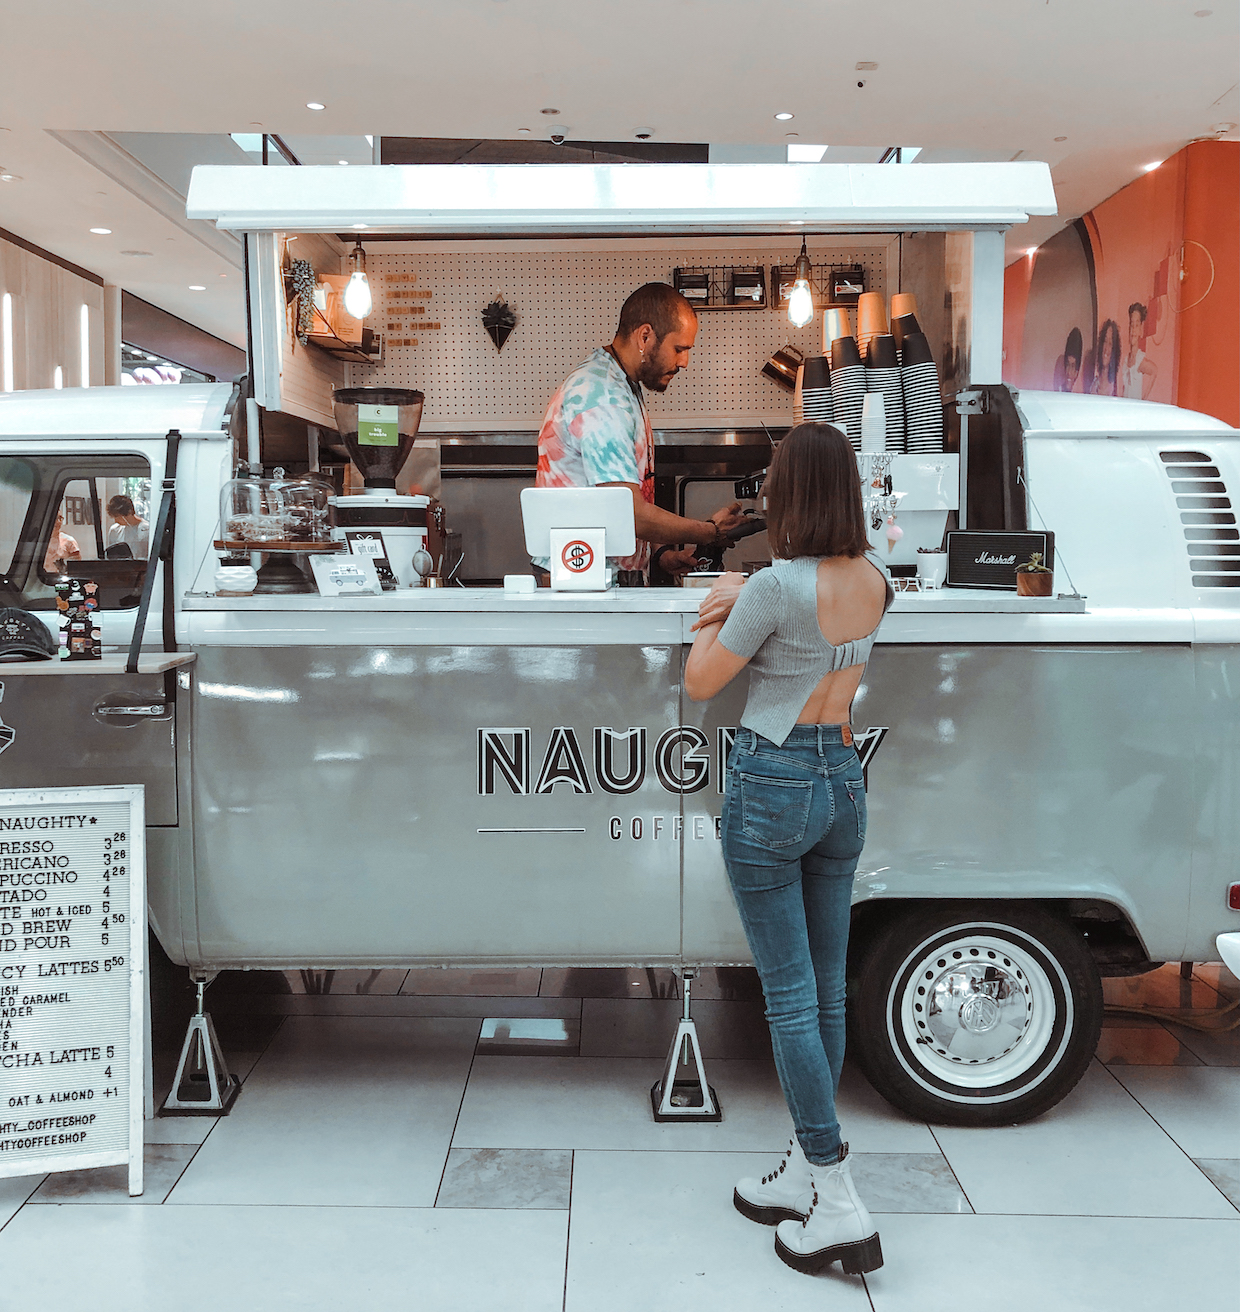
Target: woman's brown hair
[{"x": 813, "y": 496}]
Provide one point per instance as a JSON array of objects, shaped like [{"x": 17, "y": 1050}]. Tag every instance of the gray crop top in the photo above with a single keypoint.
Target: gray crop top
[{"x": 775, "y": 624}]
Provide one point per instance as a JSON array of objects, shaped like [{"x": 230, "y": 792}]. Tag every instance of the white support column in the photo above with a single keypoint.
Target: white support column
[
  {"x": 266, "y": 317},
  {"x": 111, "y": 335},
  {"x": 986, "y": 309}
]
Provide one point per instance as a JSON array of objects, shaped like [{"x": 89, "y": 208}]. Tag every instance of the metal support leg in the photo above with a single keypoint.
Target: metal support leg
[
  {"x": 202, "y": 1085},
  {"x": 685, "y": 1099}
]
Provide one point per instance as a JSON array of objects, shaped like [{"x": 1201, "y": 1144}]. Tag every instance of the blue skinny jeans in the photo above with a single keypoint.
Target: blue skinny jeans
[{"x": 793, "y": 829}]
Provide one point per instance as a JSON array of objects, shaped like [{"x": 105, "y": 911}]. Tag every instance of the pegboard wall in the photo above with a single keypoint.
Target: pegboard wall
[{"x": 567, "y": 301}]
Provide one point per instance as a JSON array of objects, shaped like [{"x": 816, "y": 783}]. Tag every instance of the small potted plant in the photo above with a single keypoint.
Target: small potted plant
[{"x": 1033, "y": 579}]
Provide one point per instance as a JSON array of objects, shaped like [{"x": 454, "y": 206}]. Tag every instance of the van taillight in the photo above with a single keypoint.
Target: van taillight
[{"x": 1233, "y": 897}]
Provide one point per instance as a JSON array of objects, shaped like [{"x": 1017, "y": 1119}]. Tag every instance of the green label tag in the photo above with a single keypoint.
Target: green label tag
[{"x": 376, "y": 425}]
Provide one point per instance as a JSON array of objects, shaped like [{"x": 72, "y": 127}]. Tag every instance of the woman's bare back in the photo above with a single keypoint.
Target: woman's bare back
[{"x": 851, "y": 597}]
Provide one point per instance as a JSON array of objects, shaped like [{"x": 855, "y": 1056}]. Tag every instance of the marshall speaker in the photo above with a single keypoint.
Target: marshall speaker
[{"x": 989, "y": 560}]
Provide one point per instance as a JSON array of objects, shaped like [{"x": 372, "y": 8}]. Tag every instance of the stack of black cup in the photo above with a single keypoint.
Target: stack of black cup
[
  {"x": 847, "y": 388},
  {"x": 882, "y": 374},
  {"x": 816, "y": 403},
  {"x": 923, "y": 396}
]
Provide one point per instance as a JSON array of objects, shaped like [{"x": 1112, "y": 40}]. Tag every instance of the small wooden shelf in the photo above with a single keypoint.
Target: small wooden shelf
[{"x": 279, "y": 544}]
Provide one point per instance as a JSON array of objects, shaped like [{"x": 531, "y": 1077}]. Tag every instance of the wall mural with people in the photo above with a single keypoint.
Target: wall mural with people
[{"x": 1137, "y": 298}]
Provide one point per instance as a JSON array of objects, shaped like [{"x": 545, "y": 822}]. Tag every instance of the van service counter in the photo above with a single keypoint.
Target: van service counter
[{"x": 459, "y": 776}]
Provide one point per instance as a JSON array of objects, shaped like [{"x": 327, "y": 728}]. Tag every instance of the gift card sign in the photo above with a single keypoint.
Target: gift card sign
[
  {"x": 345, "y": 576},
  {"x": 377, "y": 425}
]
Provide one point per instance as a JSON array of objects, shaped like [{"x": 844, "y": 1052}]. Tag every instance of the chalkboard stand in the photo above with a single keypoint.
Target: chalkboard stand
[{"x": 75, "y": 1054}]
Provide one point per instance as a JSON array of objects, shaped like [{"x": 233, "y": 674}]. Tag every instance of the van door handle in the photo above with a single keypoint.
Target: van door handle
[{"x": 156, "y": 708}]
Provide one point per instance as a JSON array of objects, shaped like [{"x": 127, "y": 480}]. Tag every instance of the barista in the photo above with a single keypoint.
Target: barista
[{"x": 597, "y": 432}]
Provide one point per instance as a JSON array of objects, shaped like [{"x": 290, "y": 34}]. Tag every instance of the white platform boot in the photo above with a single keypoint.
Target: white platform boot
[
  {"x": 837, "y": 1229},
  {"x": 783, "y": 1195}
]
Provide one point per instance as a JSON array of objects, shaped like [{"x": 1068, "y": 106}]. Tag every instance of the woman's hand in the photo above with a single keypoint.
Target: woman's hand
[{"x": 717, "y": 604}]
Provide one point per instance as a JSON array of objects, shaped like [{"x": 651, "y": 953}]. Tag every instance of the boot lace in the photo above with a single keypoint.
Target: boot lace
[{"x": 774, "y": 1175}]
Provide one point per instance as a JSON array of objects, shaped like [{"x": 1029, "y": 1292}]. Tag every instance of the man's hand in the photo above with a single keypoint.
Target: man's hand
[
  {"x": 679, "y": 562},
  {"x": 717, "y": 604},
  {"x": 728, "y": 518}
]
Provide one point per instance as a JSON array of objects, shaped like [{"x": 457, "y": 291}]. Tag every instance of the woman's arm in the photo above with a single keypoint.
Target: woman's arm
[{"x": 711, "y": 666}]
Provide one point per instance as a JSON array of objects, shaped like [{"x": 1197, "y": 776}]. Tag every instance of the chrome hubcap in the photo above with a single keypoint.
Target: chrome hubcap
[{"x": 977, "y": 1011}]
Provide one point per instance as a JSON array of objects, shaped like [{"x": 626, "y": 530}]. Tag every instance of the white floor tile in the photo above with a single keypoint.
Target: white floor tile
[
  {"x": 355, "y": 1112},
  {"x": 1054, "y": 1264},
  {"x": 283, "y": 1259},
  {"x": 179, "y": 1129},
  {"x": 652, "y": 1230},
  {"x": 13, "y": 1193},
  {"x": 1198, "y": 1107},
  {"x": 1096, "y": 1154},
  {"x": 604, "y": 1103},
  {"x": 162, "y": 1167}
]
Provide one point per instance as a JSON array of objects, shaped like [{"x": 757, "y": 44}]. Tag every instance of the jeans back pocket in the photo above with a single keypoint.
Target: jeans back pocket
[
  {"x": 774, "y": 812},
  {"x": 855, "y": 788}
]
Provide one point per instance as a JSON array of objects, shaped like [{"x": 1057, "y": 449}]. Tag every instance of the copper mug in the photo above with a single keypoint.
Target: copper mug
[{"x": 783, "y": 365}]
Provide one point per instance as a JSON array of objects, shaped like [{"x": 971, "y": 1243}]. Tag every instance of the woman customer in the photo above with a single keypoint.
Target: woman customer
[{"x": 794, "y": 815}]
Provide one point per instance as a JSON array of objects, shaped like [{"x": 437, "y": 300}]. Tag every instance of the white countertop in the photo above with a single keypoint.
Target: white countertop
[
  {"x": 624, "y": 601},
  {"x": 148, "y": 663},
  {"x": 635, "y": 617}
]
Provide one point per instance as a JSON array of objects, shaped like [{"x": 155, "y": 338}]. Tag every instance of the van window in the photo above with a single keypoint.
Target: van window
[{"x": 85, "y": 516}]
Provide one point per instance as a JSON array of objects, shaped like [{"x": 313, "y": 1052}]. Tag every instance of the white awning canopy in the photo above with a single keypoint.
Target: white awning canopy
[{"x": 444, "y": 200}]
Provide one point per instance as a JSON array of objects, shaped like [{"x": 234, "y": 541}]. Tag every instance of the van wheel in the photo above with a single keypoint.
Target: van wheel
[{"x": 974, "y": 1013}]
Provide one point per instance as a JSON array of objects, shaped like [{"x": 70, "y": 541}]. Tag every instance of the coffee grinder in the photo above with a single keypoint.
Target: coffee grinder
[{"x": 379, "y": 426}]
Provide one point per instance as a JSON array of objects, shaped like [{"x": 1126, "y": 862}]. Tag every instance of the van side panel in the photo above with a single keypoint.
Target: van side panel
[{"x": 1216, "y": 817}]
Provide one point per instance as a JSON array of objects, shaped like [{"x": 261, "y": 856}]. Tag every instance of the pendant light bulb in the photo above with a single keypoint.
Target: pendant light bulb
[
  {"x": 801, "y": 298},
  {"x": 357, "y": 298}
]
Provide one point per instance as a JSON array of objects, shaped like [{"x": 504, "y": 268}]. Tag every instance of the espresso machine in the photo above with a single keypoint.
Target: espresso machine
[{"x": 402, "y": 534}]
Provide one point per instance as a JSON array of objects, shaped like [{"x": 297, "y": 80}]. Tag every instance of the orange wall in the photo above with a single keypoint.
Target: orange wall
[
  {"x": 1208, "y": 377},
  {"x": 1184, "y": 216}
]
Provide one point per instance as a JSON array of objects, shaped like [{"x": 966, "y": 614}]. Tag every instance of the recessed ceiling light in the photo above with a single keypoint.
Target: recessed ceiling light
[
  {"x": 866, "y": 66},
  {"x": 196, "y": 287},
  {"x": 314, "y": 104},
  {"x": 342, "y": 161},
  {"x": 360, "y": 227},
  {"x": 10, "y": 177},
  {"x": 784, "y": 116},
  {"x": 102, "y": 232},
  {"x": 548, "y": 111},
  {"x": 138, "y": 254},
  {"x": 524, "y": 131},
  {"x": 1061, "y": 138},
  {"x": 792, "y": 134},
  {"x": 1033, "y": 250},
  {"x": 1149, "y": 168}
]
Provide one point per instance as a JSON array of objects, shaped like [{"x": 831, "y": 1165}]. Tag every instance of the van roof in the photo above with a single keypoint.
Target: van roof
[
  {"x": 190, "y": 407},
  {"x": 1064, "y": 414}
]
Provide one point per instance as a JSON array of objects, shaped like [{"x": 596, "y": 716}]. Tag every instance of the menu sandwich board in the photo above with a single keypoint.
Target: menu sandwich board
[{"x": 72, "y": 979}]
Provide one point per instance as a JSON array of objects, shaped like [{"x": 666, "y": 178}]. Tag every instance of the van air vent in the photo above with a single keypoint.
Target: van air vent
[{"x": 1201, "y": 496}]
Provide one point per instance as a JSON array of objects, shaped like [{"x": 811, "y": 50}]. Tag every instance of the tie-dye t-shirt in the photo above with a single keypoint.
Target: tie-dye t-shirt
[{"x": 597, "y": 431}]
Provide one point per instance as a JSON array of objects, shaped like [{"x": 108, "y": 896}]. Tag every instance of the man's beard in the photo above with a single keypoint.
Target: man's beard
[{"x": 654, "y": 376}]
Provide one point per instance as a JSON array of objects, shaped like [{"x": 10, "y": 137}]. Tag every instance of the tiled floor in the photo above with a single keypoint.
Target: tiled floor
[{"x": 483, "y": 1140}]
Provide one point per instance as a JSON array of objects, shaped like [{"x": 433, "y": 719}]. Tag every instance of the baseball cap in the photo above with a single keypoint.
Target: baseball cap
[{"x": 23, "y": 634}]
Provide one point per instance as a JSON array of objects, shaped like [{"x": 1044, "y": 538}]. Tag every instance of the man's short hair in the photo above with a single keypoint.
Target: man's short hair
[
  {"x": 120, "y": 505},
  {"x": 657, "y": 304}
]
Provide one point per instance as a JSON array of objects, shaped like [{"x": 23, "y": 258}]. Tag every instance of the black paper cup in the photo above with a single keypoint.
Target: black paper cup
[
  {"x": 916, "y": 349},
  {"x": 902, "y": 326},
  {"x": 817, "y": 373},
  {"x": 883, "y": 352},
  {"x": 844, "y": 353}
]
